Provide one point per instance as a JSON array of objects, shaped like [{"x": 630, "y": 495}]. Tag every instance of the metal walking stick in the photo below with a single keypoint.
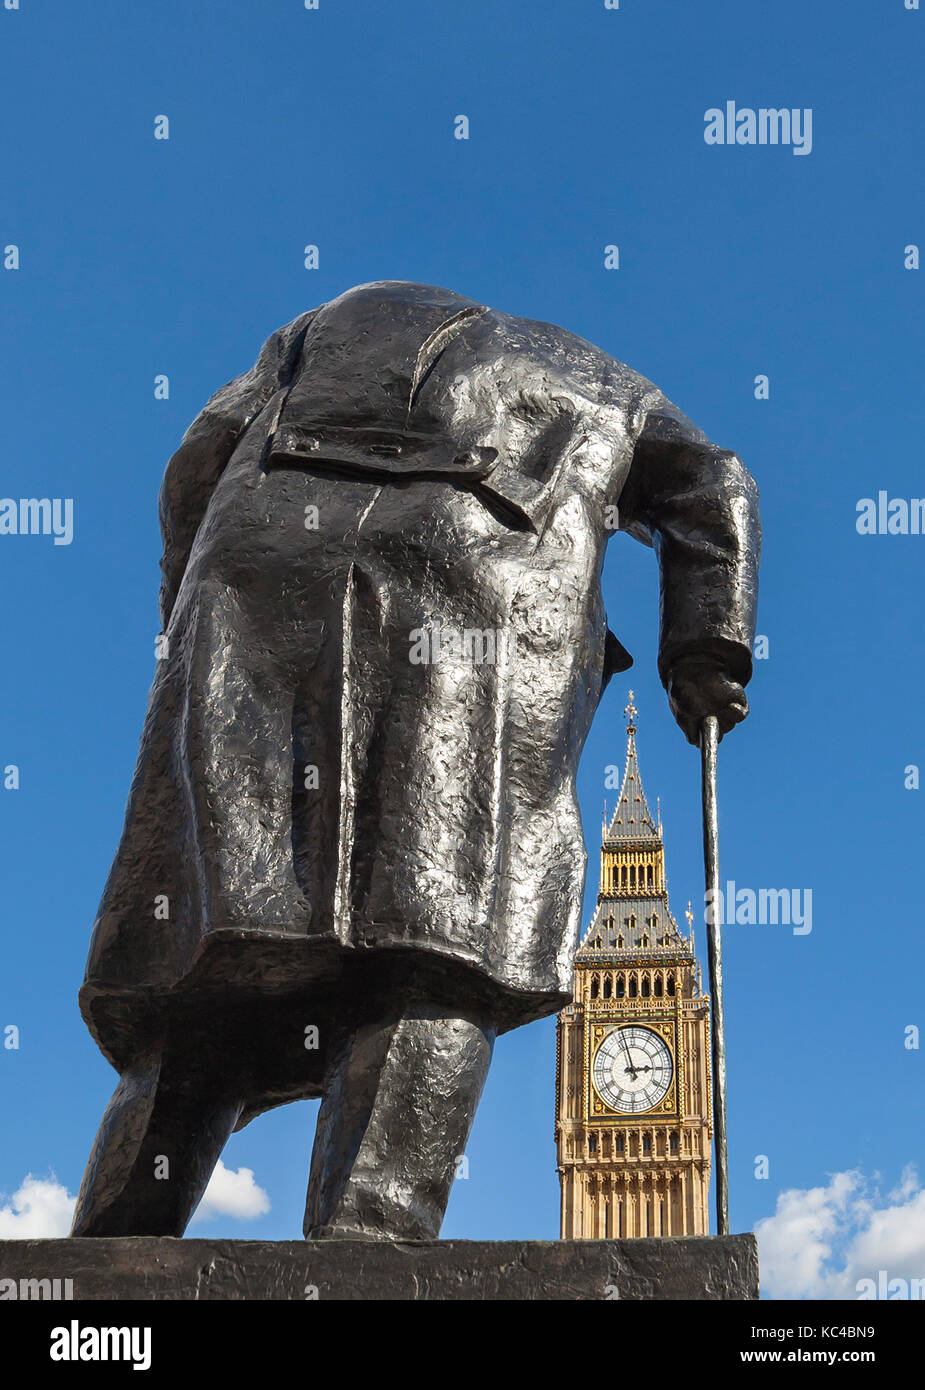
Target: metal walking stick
[{"x": 709, "y": 742}]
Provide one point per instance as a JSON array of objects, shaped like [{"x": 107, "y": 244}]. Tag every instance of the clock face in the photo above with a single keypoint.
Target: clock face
[{"x": 632, "y": 1069}]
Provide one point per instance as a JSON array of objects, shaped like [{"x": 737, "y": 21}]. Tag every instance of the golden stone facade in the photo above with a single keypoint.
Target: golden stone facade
[{"x": 633, "y": 1105}]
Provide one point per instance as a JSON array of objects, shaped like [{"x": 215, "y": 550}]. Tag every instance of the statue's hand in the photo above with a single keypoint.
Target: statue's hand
[{"x": 699, "y": 686}]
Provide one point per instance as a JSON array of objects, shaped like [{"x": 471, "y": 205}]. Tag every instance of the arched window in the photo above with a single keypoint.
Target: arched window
[
  {"x": 595, "y": 986},
  {"x": 674, "y": 1143},
  {"x": 647, "y": 1143},
  {"x": 645, "y": 986},
  {"x": 658, "y": 987},
  {"x": 608, "y": 987},
  {"x": 645, "y": 940},
  {"x": 620, "y": 942},
  {"x": 618, "y": 1143},
  {"x": 633, "y": 990},
  {"x": 598, "y": 942},
  {"x": 621, "y": 986},
  {"x": 671, "y": 985}
]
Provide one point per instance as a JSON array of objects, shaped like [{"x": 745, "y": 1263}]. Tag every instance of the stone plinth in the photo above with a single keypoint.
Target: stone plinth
[{"x": 148, "y": 1267}]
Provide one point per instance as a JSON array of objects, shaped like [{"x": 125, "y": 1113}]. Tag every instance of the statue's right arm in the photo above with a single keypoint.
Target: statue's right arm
[
  {"x": 697, "y": 505},
  {"x": 207, "y": 446}
]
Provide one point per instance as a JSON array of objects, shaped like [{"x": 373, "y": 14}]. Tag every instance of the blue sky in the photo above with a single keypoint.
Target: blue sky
[{"x": 335, "y": 127}]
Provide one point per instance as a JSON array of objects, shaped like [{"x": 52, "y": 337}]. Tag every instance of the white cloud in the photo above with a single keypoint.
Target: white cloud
[
  {"x": 41, "y": 1208},
  {"x": 822, "y": 1241},
  {"x": 232, "y": 1193}
]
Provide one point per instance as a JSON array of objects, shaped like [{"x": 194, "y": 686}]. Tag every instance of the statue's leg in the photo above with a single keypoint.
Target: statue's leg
[
  {"x": 159, "y": 1140},
  {"x": 400, "y": 1097}
]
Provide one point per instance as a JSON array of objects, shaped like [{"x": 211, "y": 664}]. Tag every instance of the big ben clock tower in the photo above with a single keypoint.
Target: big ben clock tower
[{"x": 633, "y": 1101}]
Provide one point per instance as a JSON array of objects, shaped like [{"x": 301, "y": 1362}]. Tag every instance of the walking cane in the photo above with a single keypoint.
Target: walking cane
[{"x": 709, "y": 741}]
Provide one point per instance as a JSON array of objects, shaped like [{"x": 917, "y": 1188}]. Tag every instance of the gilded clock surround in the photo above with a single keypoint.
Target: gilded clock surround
[
  {"x": 596, "y": 1107},
  {"x": 645, "y": 1173}
]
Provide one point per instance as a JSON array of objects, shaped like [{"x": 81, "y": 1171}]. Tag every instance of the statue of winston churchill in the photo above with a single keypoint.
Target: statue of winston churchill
[{"x": 352, "y": 854}]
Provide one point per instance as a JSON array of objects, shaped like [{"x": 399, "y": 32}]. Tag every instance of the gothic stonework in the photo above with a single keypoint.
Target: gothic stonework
[{"x": 633, "y": 1101}]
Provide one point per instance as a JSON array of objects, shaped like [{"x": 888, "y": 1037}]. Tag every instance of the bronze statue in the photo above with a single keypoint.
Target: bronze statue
[{"x": 352, "y": 853}]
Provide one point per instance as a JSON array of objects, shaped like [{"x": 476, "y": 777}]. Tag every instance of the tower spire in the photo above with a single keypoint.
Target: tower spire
[
  {"x": 631, "y": 712},
  {"x": 632, "y": 903},
  {"x": 632, "y": 819}
]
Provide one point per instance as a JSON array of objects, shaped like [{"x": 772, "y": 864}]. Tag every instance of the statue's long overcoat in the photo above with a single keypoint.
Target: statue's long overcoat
[{"x": 385, "y": 642}]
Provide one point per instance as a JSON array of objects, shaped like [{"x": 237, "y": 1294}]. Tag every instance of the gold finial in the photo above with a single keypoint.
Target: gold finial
[
  {"x": 689, "y": 914},
  {"x": 631, "y": 711}
]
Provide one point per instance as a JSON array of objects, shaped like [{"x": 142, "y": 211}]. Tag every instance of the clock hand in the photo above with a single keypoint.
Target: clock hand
[{"x": 632, "y": 1069}]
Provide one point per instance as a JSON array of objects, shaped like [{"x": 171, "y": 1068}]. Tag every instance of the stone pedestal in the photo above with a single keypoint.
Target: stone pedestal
[{"x": 148, "y": 1267}]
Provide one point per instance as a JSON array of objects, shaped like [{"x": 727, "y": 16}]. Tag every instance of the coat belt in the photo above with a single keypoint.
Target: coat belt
[
  {"x": 398, "y": 453},
  {"x": 385, "y": 453}
]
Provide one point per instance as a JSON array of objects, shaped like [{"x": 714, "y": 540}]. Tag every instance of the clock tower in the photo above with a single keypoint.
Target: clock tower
[{"x": 633, "y": 1100}]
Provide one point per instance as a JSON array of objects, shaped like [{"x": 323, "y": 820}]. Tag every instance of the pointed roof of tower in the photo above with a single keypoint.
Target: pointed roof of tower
[
  {"x": 632, "y": 819},
  {"x": 621, "y": 926},
  {"x": 634, "y": 916}
]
